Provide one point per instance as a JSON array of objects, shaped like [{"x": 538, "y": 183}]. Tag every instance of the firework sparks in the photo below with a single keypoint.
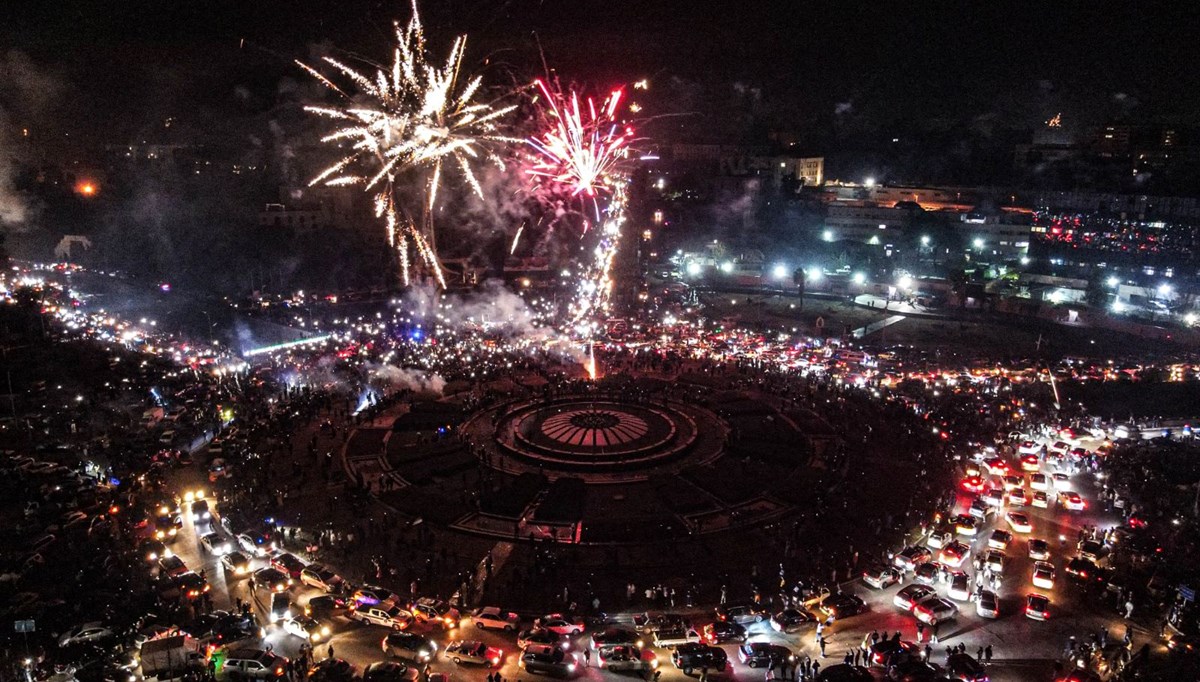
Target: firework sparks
[
  {"x": 583, "y": 145},
  {"x": 413, "y": 115}
]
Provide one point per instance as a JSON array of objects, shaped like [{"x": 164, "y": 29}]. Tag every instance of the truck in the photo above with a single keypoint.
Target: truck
[
  {"x": 675, "y": 636},
  {"x": 171, "y": 658}
]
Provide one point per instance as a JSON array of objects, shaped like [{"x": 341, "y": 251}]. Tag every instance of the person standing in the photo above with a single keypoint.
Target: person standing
[
  {"x": 822, "y": 642},
  {"x": 330, "y": 650},
  {"x": 587, "y": 657},
  {"x": 987, "y": 654}
]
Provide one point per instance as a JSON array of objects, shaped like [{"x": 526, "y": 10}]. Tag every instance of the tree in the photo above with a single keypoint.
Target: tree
[
  {"x": 798, "y": 278},
  {"x": 1096, "y": 294}
]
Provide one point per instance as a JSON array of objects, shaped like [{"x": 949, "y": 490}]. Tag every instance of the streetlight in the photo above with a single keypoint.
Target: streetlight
[
  {"x": 869, "y": 182},
  {"x": 780, "y": 271},
  {"x": 727, "y": 267},
  {"x": 827, "y": 235},
  {"x": 1113, "y": 282},
  {"x": 1164, "y": 289},
  {"x": 905, "y": 282},
  {"x": 924, "y": 240},
  {"x": 859, "y": 278},
  {"x": 693, "y": 269},
  {"x": 978, "y": 243},
  {"x": 814, "y": 274}
]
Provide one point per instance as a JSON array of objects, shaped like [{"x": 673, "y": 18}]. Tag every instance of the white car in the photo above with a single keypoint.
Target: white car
[
  {"x": 960, "y": 587},
  {"x": 1040, "y": 499},
  {"x": 1062, "y": 481},
  {"x": 492, "y": 617},
  {"x": 999, "y": 539},
  {"x": 83, "y": 634},
  {"x": 1029, "y": 447},
  {"x": 1072, "y": 501},
  {"x": 939, "y": 539},
  {"x": 1043, "y": 575},
  {"x": 935, "y": 610},
  {"x": 556, "y": 622},
  {"x": 316, "y": 575},
  {"x": 381, "y": 614},
  {"x": 987, "y": 606},
  {"x": 1038, "y": 482},
  {"x": 1019, "y": 522},
  {"x": 216, "y": 544},
  {"x": 307, "y": 628}
]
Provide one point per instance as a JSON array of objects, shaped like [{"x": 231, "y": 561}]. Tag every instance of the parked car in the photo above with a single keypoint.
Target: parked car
[
  {"x": 410, "y": 647},
  {"x": 474, "y": 652},
  {"x": 762, "y": 654},
  {"x": 696, "y": 656},
  {"x": 492, "y": 617}
]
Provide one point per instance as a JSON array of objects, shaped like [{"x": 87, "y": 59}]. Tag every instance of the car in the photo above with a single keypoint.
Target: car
[
  {"x": 993, "y": 496},
  {"x": 410, "y": 647},
  {"x": 427, "y": 610},
  {"x": 253, "y": 664},
  {"x": 928, "y": 573},
  {"x": 881, "y": 577},
  {"x": 316, "y": 575},
  {"x": 371, "y": 595},
  {"x": 288, "y": 564},
  {"x": 719, "y": 632},
  {"x": 996, "y": 466},
  {"x": 981, "y": 510},
  {"x": 227, "y": 628},
  {"x": 914, "y": 670},
  {"x": 1040, "y": 499},
  {"x": 911, "y": 557},
  {"x": 966, "y": 525},
  {"x": 1071, "y": 501},
  {"x": 307, "y": 628},
  {"x": 614, "y": 636},
  {"x": 995, "y": 560},
  {"x": 1091, "y": 550},
  {"x": 1039, "y": 482},
  {"x": 910, "y": 596},
  {"x": 541, "y": 636},
  {"x": 333, "y": 670},
  {"x": 842, "y": 605},
  {"x": 495, "y": 618},
  {"x": 236, "y": 564},
  {"x": 271, "y": 579},
  {"x": 1018, "y": 522},
  {"x": 216, "y": 544},
  {"x": 960, "y": 587},
  {"x": 1184, "y": 643},
  {"x": 88, "y": 633},
  {"x": 152, "y": 550},
  {"x": 474, "y": 652},
  {"x": 200, "y": 512},
  {"x": 1029, "y": 447},
  {"x": 935, "y": 610},
  {"x": 888, "y": 651},
  {"x": 987, "y": 606},
  {"x": 965, "y": 668},
  {"x": 1043, "y": 575},
  {"x": 1037, "y": 606},
  {"x": 1059, "y": 447},
  {"x": 191, "y": 585},
  {"x": 939, "y": 539},
  {"x": 1039, "y": 549},
  {"x": 999, "y": 539},
  {"x": 791, "y": 620},
  {"x": 1082, "y": 569},
  {"x": 742, "y": 614},
  {"x": 1012, "y": 482},
  {"x": 381, "y": 614},
  {"x": 1017, "y": 497},
  {"x": 696, "y": 656},
  {"x": 172, "y": 566},
  {"x": 326, "y": 605},
  {"x": 1030, "y": 463},
  {"x": 972, "y": 484},
  {"x": 954, "y": 554},
  {"x": 557, "y": 622},
  {"x": 167, "y": 527},
  {"x": 763, "y": 654},
  {"x": 390, "y": 671},
  {"x": 548, "y": 660},
  {"x": 1061, "y": 481},
  {"x": 625, "y": 657},
  {"x": 256, "y": 544}
]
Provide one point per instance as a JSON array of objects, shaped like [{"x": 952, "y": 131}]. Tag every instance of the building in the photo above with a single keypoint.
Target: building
[
  {"x": 309, "y": 208},
  {"x": 997, "y": 236},
  {"x": 860, "y": 222}
]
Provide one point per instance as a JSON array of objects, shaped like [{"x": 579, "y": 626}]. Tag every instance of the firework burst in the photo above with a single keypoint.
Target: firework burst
[
  {"x": 412, "y": 115},
  {"x": 583, "y": 145}
]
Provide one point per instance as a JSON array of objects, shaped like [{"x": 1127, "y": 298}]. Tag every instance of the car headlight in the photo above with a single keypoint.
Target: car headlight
[{"x": 325, "y": 630}]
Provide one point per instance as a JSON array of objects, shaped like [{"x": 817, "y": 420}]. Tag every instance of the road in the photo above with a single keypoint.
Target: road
[{"x": 1024, "y": 649}]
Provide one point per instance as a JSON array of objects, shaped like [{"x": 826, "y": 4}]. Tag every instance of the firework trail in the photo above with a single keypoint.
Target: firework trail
[
  {"x": 584, "y": 152},
  {"x": 413, "y": 115}
]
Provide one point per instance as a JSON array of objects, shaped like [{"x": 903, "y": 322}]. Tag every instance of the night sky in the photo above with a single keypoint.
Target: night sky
[{"x": 120, "y": 64}]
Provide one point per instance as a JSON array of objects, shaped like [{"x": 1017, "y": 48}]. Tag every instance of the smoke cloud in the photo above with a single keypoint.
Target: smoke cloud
[
  {"x": 26, "y": 92},
  {"x": 414, "y": 380}
]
